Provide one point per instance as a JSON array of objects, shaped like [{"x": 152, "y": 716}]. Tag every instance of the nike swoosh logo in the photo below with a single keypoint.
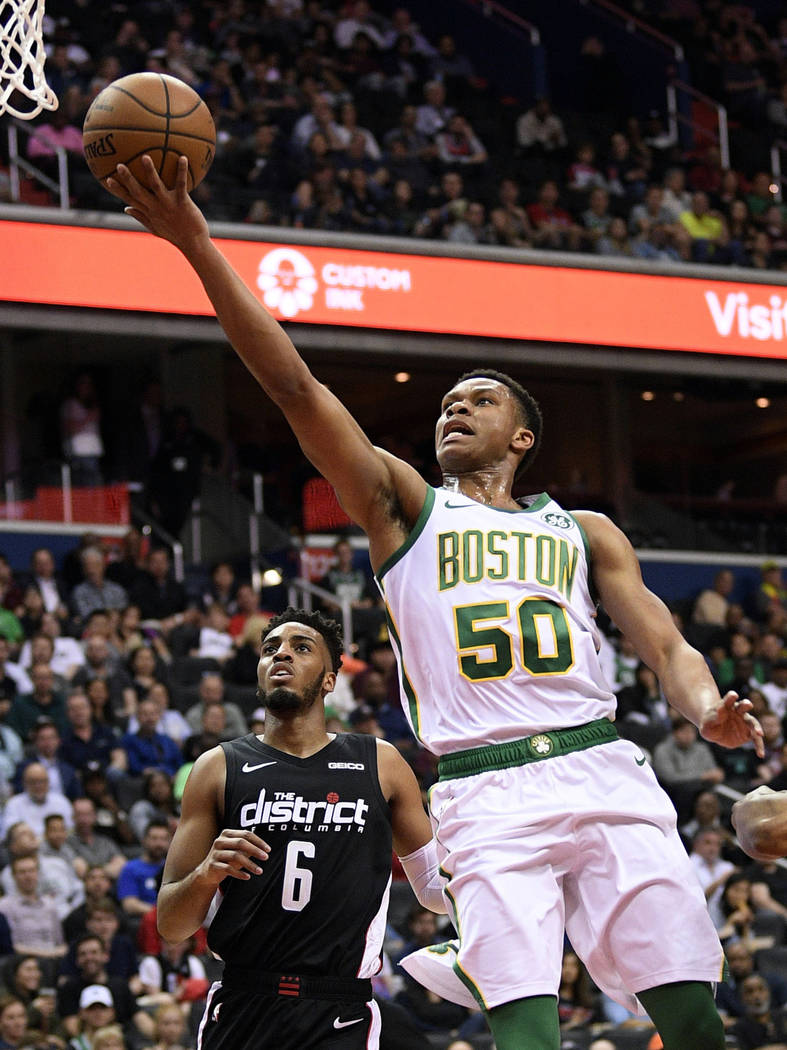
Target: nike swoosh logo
[
  {"x": 246, "y": 768},
  {"x": 640, "y": 761},
  {"x": 344, "y": 1024},
  {"x": 457, "y": 506}
]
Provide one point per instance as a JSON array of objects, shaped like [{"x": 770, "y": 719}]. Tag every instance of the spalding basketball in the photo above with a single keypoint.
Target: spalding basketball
[{"x": 153, "y": 114}]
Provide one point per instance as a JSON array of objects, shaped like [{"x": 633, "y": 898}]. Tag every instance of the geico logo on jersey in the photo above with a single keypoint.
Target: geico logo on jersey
[
  {"x": 285, "y": 809},
  {"x": 346, "y": 765}
]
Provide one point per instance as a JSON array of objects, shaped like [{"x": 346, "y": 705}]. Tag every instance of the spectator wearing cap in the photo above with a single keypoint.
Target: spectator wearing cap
[
  {"x": 45, "y": 739},
  {"x": 147, "y": 749},
  {"x": 93, "y": 986},
  {"x": 36, "y": 801},
  {"x": 43, "y": 702},
  {"x": 36, "y": 928}
]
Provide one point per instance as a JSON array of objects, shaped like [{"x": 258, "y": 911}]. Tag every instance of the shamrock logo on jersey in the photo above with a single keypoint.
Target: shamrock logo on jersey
[
  {"x": 541, "y": 744},
  {"x": 558, "y": 520}
]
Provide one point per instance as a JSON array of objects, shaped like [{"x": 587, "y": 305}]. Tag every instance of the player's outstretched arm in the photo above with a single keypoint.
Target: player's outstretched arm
[
  {"x": 682, "y": 672},
  {"x": 329, "y": 436},
  {"x": 760, "y": 822},
  {"x": 201, "y": 855},
  {"x": 412, "y": 832}
]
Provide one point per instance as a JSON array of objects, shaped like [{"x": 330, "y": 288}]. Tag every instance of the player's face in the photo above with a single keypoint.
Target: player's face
[
  {"x": 294, "y": 668},
  {"x": 478, "y": 422}
]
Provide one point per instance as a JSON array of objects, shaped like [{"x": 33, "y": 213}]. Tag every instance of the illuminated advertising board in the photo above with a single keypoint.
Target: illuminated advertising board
[{"x": 125, "y": 270}]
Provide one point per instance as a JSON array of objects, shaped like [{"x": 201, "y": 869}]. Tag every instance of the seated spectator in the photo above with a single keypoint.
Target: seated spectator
[
  {"x": 157, "y": 593},
  {"x": 170, "y": 1030},
  {"x": 539, "y": 130},
  {"x": 98, "y": 885},
  {"x": 24, "y": 978},
  {"x": 214, "y": 640},
  {"x": 247, "y": 604},
  {"x": 712, "y": 870},
  {"x": 147, "y": 749},
  {"x": 643, "y": 713},
  {"x": 349, "y": 582},
  {"x": 740, "y": 965},
  {"x": 85, "y": 740},
  {"x": 111, "y": 820},
  {"x": 89, "y": 845},
  {"x": 705, "y": 816},
  {"x": 64, "y": 655},
  {"x": 471, "y": 227},
  {"x": 31, "y": 611},
  {"x": 93, "y": 987},
  {"x": 211, "y": 691},
  {"x": 626, "y": 170},
  {"x": 145, "y": 670},
  {"x": 56, "y": 847},
  {"x": 100, "y": 663},
  {"x": 762, "y": 1024},
  {"x": 51, "y": 586},
  {"x": 42, "y": 702},
  {"x": 363, "y": 203},
  {"x": 137, "y": 884},
  {"x": 596, "y": 218},
  {"x": 103, "y": 919},
  {"x": 649, "y": 212},
  {"x": 676, "y": 198},
  {"x": 509, "y": 219},
  {"x": 428, "y": 1010},
  {"x": 157, "y": 803},
  {"x": 575, "y": 1003},
  {"x": 457, "y": 144},
  {"x": 58, "y": 881},
  {"x": 433, "y": 114},
  {"x": 109, "y": 1037},
  {"x": 553, "y": 226},
  {"x": 170, "y": 722},
  {"x": 36, "y": 801},
  {"x": 13, "y": 678},
  {"x": 95, "y": 592},
  {"x": 348, "y": 128},
  {"x": 705, "y": 229},
  {"x": 14, "y": 1031},
  {"x": 616, "y": 239},
  {"x": 35, "y": 925},
  {"x": 176, "y": 971},
  {"x": 682, "y": 762},
  {"x": 45, "y": 750},
  {"x": 712, "y": 603},
  {"x": 10, "y": 591},
  {"x": 738, "y": 912},
  {"x": 772, "y": 593}
]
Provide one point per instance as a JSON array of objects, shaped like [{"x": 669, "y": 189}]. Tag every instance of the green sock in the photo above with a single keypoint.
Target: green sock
[
  {"x": 685, "y": 1015},
  {"x": 526, "y": 1024}
]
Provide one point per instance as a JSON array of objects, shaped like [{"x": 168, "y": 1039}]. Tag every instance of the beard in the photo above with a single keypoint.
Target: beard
[{"x": 283, "y": 702}]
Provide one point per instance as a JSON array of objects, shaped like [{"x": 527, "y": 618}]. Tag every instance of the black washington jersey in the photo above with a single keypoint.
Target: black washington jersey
[{"x": 320, "y": 905}]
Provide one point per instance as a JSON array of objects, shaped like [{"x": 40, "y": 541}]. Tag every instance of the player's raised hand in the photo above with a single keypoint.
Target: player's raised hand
[
  {"x": 732, "y": 724},
  {"x": 235, "y": 854},
  {"x": 170, "y": 214}
]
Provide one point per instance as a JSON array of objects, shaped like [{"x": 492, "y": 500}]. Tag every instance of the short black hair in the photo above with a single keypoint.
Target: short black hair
[
  {"x": 529, "y": 410},
  {"x": 330, "y": 630}
]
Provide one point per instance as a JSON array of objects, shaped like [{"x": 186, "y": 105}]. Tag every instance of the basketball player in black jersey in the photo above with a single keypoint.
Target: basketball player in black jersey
[{"x": 295, "y": 831}]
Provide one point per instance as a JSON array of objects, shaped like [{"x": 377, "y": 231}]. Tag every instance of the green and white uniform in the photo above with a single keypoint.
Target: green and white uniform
[{"x": 493, "y": 623}]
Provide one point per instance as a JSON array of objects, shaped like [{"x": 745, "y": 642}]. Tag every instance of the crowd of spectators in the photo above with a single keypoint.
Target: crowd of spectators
[
  {"x": 115, "y": 677},
  {"x": 346, "y": 116}
]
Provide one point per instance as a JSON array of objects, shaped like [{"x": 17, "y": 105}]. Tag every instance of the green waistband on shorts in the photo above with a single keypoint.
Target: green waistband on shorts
[{"x": 534, "y": 748}]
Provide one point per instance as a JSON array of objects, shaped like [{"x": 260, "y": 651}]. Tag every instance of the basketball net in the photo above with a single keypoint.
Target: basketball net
[{"x": 22, "y": 58}]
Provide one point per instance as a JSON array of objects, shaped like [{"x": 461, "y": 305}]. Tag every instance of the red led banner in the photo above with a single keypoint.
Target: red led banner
[{"x": 124, "y": 270}]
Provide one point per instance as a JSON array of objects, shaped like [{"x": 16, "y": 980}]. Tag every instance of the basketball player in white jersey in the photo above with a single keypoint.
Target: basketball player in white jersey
[{"x": 544, "y": 819}]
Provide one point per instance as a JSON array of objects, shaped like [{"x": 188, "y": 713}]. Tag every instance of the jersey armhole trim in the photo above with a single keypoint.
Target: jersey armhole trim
[
  {"x": 416, "y": 531},
  {"x": 588, "y": 558}
]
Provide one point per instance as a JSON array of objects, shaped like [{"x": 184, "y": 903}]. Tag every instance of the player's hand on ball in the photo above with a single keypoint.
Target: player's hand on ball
[
  {"x": 235, "y": 853},
  {"x": 732, "y": 724},
  {"x": 170, "y": 214}
]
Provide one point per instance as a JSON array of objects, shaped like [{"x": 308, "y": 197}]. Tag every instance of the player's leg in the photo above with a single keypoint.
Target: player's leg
[
  {"x": 531, "y": 1023},
  {"x": 685, "y": 1015}
]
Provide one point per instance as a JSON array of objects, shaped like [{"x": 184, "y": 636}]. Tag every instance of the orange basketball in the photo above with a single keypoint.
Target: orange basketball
[{"x": 149, "y": 113}]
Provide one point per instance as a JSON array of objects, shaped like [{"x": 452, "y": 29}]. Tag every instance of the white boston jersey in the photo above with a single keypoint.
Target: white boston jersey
[{"x": 493, "y": 623}]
